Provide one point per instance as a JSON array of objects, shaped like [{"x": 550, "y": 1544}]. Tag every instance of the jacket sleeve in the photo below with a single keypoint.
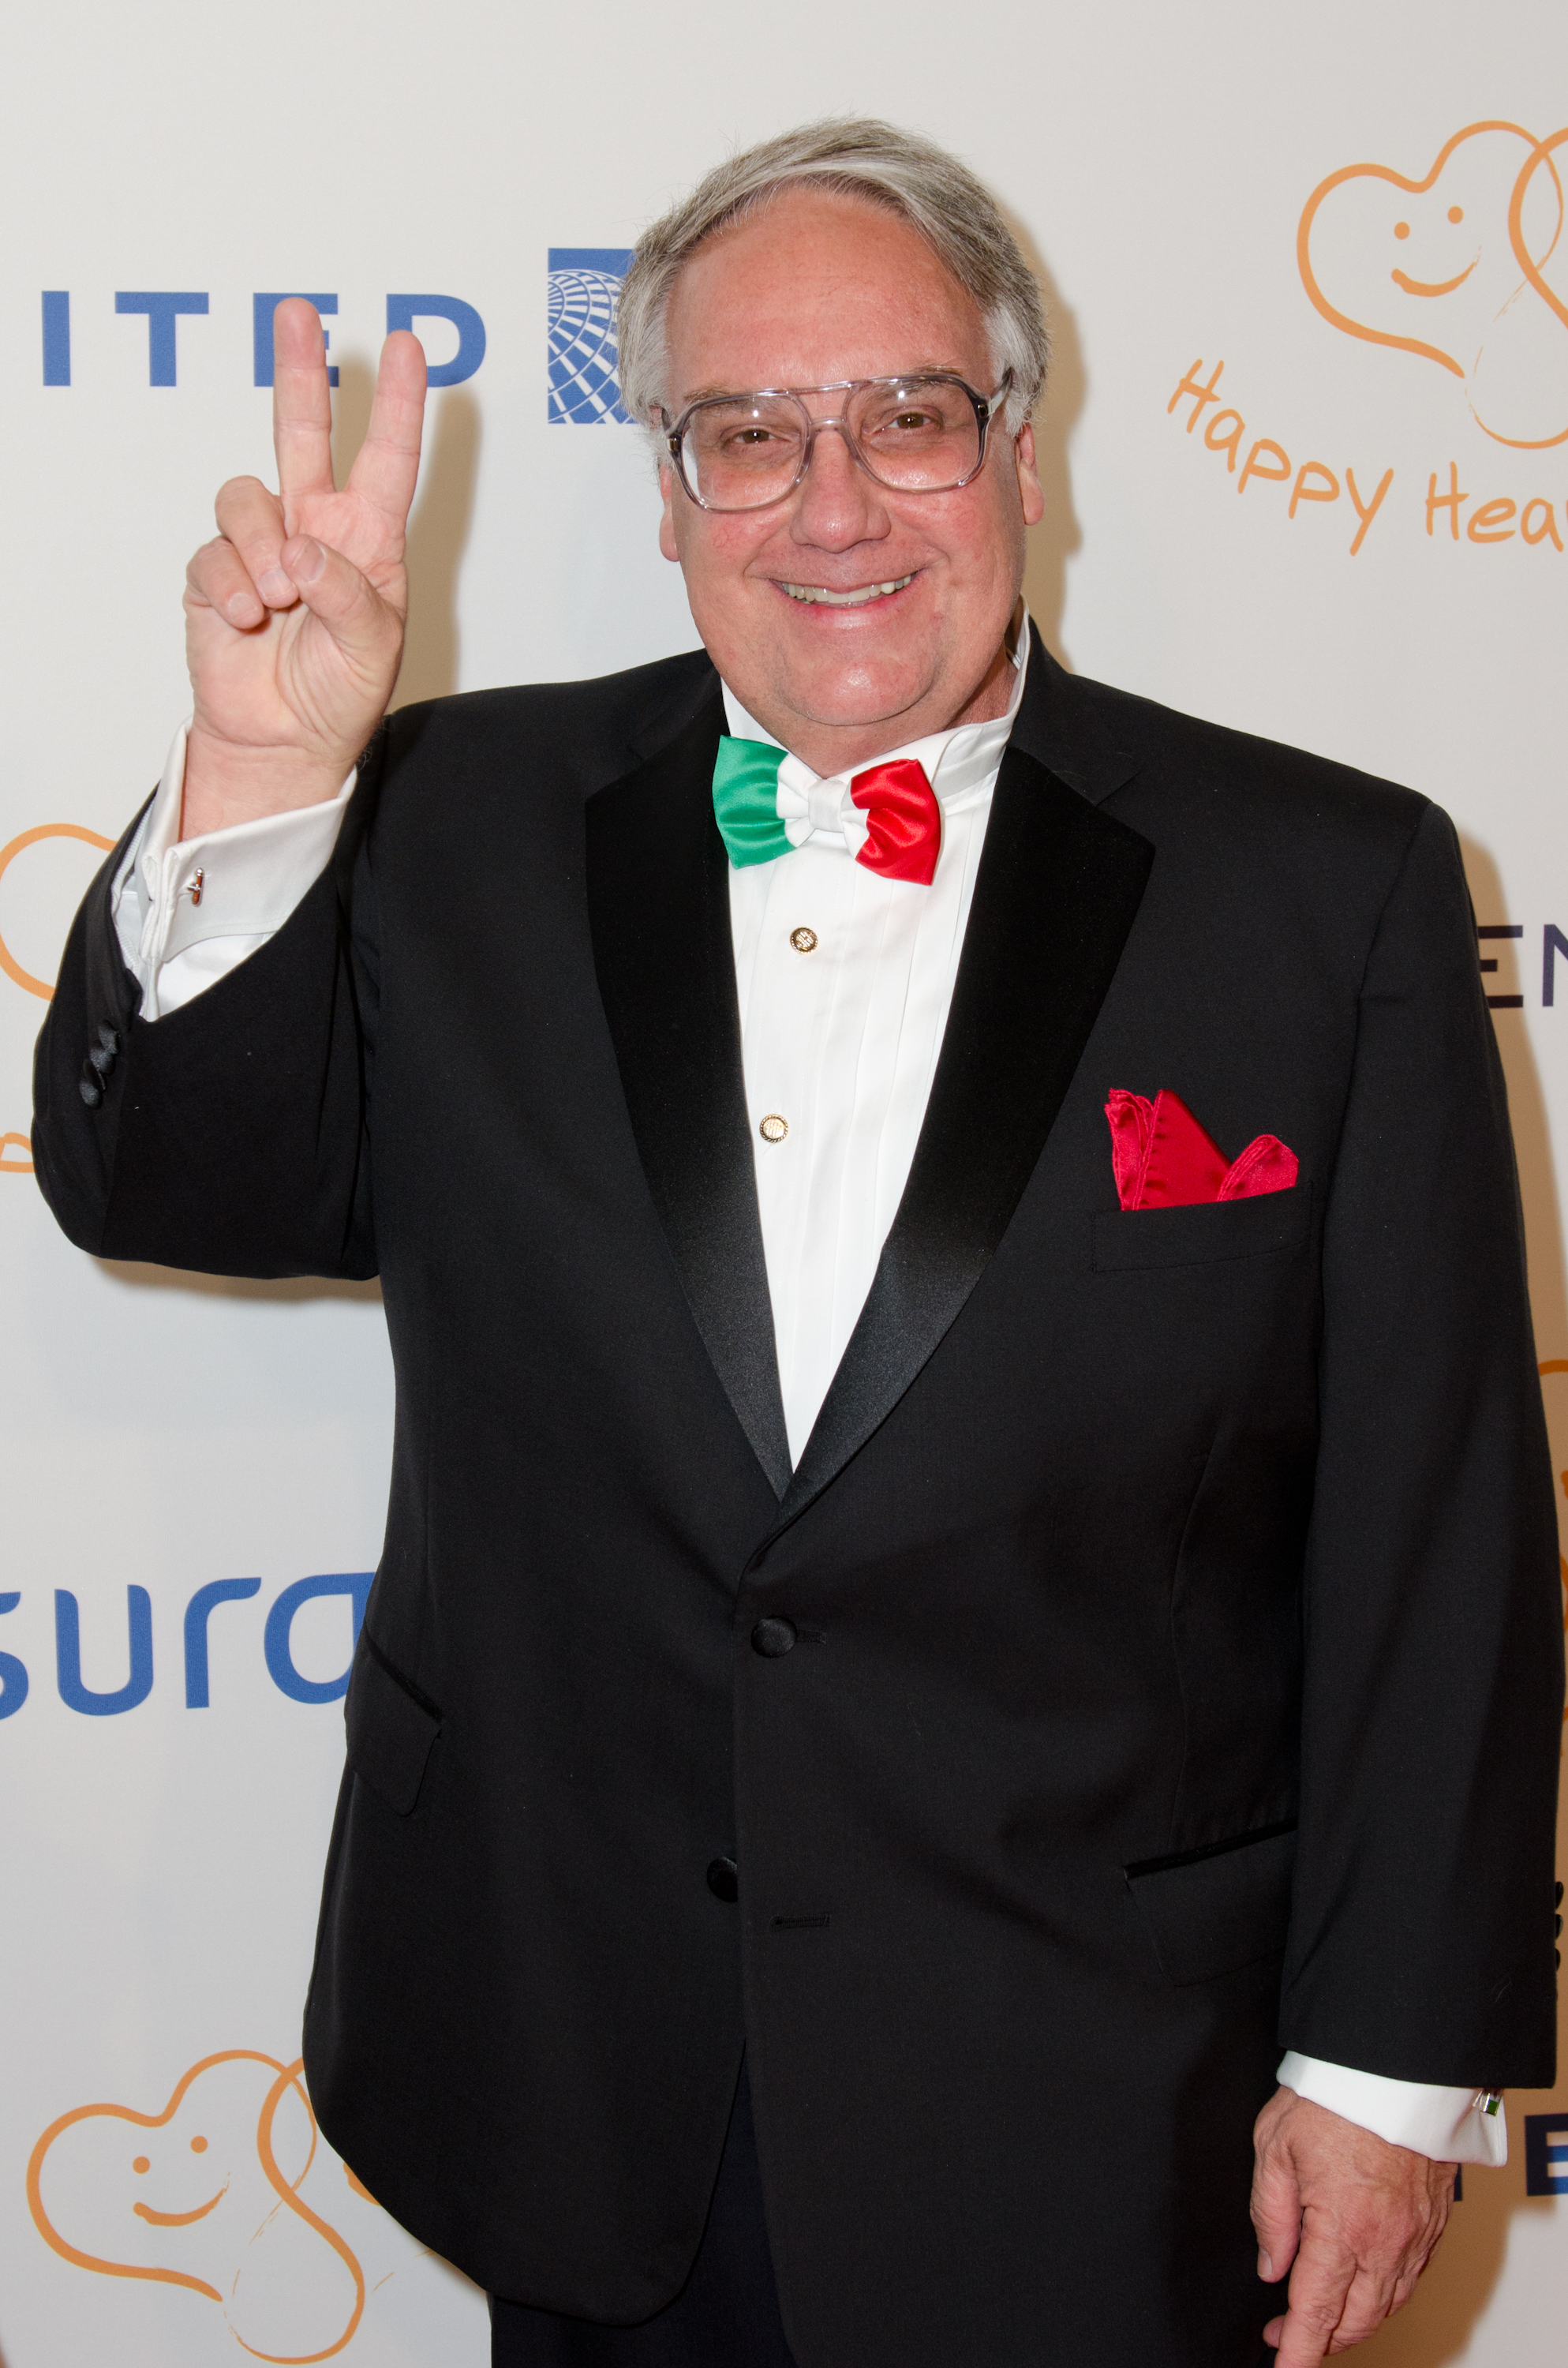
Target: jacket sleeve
[
  {"x": 1421, "y": 1939},
  {"x": 231, "y": 1136}
]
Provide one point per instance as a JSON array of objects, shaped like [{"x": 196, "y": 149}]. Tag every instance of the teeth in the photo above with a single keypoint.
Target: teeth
[{"x": 810, "y": 592}]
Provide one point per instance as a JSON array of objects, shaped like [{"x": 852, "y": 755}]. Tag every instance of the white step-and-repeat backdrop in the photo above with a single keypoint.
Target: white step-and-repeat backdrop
[{"x": 1306, "y": 450}]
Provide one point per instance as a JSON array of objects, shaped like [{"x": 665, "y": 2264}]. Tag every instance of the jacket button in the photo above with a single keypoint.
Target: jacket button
[
  {"x": 774, "y": 1638},
  {"x": 723, "y": 1880}
]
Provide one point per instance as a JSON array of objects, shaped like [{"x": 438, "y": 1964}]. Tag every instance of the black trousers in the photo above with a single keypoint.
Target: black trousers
[{"x": 726, "y": 2316}]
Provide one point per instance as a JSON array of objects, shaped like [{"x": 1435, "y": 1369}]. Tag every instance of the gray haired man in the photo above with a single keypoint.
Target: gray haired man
[{"x": 971, "y": 1553}]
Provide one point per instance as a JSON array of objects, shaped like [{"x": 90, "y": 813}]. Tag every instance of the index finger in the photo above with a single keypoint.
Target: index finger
[
  {"x": 301, "y": 400},
  {"x": 386, "y": 467}
]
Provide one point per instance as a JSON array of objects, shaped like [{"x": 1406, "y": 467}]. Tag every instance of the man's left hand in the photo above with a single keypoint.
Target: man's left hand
[{"x": 1357, "y": 2217}]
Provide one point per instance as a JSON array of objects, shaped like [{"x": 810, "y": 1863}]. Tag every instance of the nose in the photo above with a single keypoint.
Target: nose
[{"x": 837, "y": 505}]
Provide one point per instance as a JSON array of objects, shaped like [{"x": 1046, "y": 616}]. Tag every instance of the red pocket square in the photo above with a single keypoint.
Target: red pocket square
[{"x": 1163, "y": 1159}]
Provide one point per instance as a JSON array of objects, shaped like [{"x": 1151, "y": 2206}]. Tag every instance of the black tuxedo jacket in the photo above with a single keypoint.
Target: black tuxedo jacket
[{"x": 1164, "y": 1656}]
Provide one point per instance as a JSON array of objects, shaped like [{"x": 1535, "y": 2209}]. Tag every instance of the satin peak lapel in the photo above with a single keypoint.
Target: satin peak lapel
[
  {"x": 1059, "y": 889},
  {"x": 659, "y": 910}
]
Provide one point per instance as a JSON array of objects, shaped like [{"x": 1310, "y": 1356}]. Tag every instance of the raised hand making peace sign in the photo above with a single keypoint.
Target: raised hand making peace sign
[{"x": 294, "y": 614}]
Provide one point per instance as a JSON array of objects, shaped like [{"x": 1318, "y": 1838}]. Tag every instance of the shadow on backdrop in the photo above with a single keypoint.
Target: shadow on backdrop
[
  {"x": 1437, "y": 2327},
  {"x": 1527, "y": 1108},
  {"x": 1434, "y": 2328},
  {"x": 438, "y": 535},
  {"x": 1052, "y": 542},
  {"x": 437, "y": 527}
]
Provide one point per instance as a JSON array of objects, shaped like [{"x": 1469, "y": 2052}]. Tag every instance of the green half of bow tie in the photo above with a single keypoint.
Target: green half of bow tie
[{"x": 746, "y": 801}]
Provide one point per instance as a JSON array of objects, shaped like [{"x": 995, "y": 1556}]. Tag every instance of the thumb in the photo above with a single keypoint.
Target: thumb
[
  {"x": 1276, "y": 2213},
  {"x": 362, "y": 625}
]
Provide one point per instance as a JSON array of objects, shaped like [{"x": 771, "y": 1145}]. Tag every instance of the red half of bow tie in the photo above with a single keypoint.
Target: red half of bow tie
[{"x": 903, "y": 834}]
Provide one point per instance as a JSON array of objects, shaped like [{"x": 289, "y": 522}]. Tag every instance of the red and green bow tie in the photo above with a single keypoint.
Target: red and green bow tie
[{"x": 903, "y": 820}]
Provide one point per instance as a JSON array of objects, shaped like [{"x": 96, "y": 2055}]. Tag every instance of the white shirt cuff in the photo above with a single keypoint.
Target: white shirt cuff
[
  {"x": 1448, "y": 2124},
  {"x": 188, "y": 911}
]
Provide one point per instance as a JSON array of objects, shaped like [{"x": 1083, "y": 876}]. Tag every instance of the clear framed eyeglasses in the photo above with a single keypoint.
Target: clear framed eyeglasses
[{"x": 921, "y": 434}]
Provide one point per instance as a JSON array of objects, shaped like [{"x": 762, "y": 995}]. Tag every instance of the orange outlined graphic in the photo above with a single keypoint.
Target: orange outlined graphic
[
  {"x": 1516, "y": 203},
  {"x": 255, "y": 2182},
  {"x": 12, "y": 1143},
  {"x": 41, "y": 2221},
  {"x": 8, "y": 963},
  {"x": 1476, "y": 232},
  {"x": 286, "y": 2190}
]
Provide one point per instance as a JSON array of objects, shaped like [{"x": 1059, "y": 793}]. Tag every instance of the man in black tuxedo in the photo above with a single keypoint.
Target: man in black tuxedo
[{"x": 922, "y": 1636}]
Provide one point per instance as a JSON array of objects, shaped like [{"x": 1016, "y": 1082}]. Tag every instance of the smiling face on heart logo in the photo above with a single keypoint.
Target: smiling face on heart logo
[
  {"x": 208, "y": 2195},
  {"x": 1461, "y": 267}
]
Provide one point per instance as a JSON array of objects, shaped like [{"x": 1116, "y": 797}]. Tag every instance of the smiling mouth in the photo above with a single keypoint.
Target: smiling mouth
[
  {"x": 179, "y": 2219},
  {"x": 810, "y": 594},
  {"x": 1432, "y": 286}
]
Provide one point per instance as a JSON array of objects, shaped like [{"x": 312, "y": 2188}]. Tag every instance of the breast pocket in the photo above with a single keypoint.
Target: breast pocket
[
  {"x": 1211, "y": 1230},
  {"x": 1213, "y": 1911}
]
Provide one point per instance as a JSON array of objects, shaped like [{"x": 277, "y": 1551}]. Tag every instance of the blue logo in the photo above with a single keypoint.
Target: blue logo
[
  {"x": 276, "y": 1644},
  {"x": 1546, "y": 2153},
  {"x": 164, "y": 308},
  {"x": 585, "y": 283}
]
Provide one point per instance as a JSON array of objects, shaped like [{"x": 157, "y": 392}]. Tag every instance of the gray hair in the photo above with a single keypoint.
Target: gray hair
[{"x": 941, "y": 199}]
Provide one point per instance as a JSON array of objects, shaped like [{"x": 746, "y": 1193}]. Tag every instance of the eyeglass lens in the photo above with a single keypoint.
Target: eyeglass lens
[{"x": 915, "y": 436}]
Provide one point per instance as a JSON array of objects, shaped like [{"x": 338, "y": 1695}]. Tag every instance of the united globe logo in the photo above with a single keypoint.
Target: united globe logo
[{"x": 585, "y": 283}]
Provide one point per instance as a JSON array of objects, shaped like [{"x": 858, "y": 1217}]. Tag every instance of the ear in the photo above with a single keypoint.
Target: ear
[
  {"x": 668, "y": 490},
  {"x": 1031, "y": 494}
]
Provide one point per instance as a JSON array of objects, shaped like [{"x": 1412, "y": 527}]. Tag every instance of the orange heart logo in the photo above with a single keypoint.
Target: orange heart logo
[
  {"x": 196, "y": 2196},
  {"x": 1449, "y": 267}
]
